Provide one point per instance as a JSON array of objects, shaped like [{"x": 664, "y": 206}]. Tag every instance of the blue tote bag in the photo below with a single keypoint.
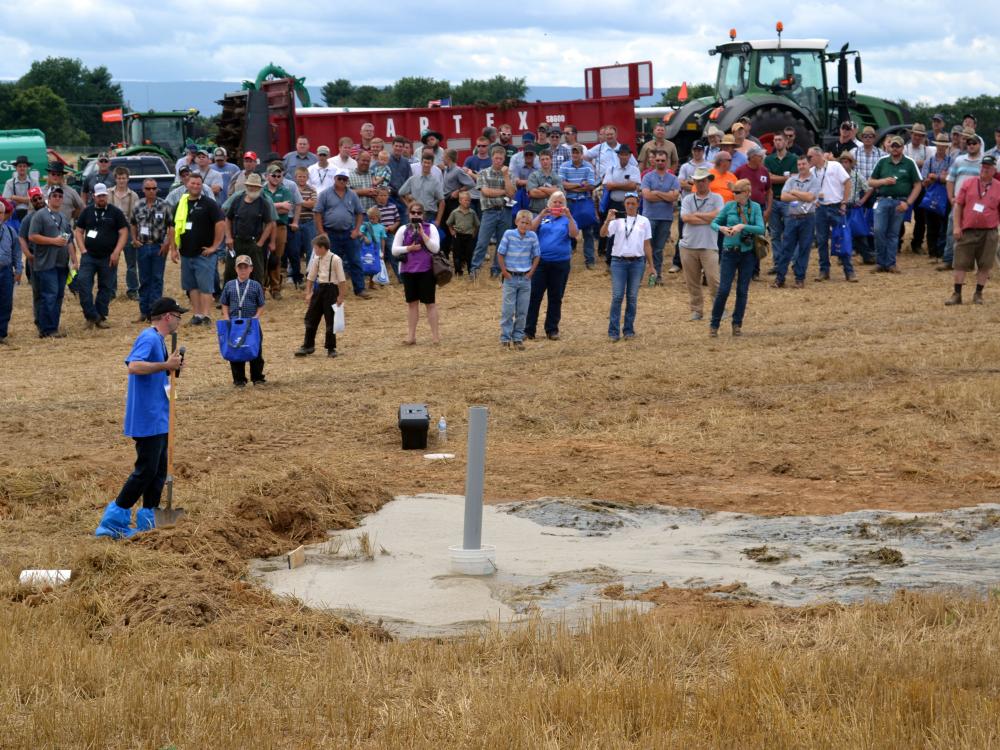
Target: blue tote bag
[
  {"x": 841, "y": 242},
  {"x": 239, "y": 339}
]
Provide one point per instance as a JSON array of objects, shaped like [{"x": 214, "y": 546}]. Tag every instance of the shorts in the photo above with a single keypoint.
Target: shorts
[
  {"x": 198, "y": 274},
  {"x": 419, "y": 287},
  {"x": 977, "y": 250}
]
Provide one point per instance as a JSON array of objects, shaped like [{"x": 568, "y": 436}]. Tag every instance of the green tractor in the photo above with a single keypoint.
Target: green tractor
[
  {"x": 162, "y": 133},
  {"x": 779, "y": 84}
]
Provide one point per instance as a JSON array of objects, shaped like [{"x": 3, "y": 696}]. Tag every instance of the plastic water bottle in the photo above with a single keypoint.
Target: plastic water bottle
[{"x": 442, "y": 431}]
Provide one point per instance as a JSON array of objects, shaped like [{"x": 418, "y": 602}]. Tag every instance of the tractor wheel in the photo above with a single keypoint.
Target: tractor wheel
[{"x": 773, "y": 120}]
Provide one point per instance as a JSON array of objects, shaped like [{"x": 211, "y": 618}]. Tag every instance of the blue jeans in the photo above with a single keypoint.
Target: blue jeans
[
  {"x": 589, "y": 256},
  {"x": 101, "y": 268},
  {"x": 949, "y": 241},
  {"x": 494, "y": 223},
  {"x": 151, "y": 266},
  {"x": 550, "y": 278},
  {"x": 299, "y": 249},
  {"x": 626, "y": 278},
  {"x": 731, "y": 263},
  {"x": 888, "y": 223},
  {"x": 776, "y": 228},
  {"x": 514, "y": 310},
  {"x": 51, "y": 289},
  {"x": 349, "y": 251},
  {"x": 6, "y": 298},
  {"x": 796, "y": 242},
  {"x": 826, "y": 217},
  {"x": 661, "y": 233},
  {"x": 131, "y": 267}
]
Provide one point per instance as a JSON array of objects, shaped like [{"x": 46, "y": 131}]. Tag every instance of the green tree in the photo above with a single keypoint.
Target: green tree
[
  {"x": 337, "y": 93},
  {"x": 414, "y": 91},
  {"x": 40, "y": 107},
  {"x": 496, "y": 89},
  {"x": 367, "y": 96},
  {"x": 986, "y": 110},
  {"x": 695, "y": 91},
  {"x": 86, "y": 92}
]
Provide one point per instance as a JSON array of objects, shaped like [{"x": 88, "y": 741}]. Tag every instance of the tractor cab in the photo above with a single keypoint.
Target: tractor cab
[
  {"x": 164, "y": 132},
  {"x": 792, "y": 68}
]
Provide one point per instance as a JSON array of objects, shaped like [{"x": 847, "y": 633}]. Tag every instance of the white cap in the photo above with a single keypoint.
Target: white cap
[{"x": 100, "y": 189}]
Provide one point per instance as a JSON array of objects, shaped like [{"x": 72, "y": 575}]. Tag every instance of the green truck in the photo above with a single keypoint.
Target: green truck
[
  {"x": 27, "y": 142},
  {"x": 779, "y": 83}
]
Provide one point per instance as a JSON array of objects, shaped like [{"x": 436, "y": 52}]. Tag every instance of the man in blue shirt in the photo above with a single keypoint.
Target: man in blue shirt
[
  {"x": 147, "y": 419},
  {"x": 660, "y": 190}
]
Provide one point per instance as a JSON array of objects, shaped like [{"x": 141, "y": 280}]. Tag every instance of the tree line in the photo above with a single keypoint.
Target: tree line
[
  {"x": 416, "y": 91},
  {"x": 63, "y": 98}
]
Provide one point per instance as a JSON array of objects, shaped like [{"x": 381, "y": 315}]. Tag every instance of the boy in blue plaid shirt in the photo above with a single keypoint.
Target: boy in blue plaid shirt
[
  {"x": 518, "y": 255},
  {"x": 243, "y": 298}
]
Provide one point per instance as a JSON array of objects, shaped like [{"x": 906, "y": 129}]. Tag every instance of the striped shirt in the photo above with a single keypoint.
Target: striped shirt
[
  {"x": 519, "y": 251},
  {"x": 308, "y": 193},
  {"x": 388, "y": 215},
  {"x": 583, "y": 173},
  {"x": 962, "y": 169}
]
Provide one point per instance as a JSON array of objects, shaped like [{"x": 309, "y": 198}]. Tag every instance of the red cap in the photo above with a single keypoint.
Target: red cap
[
  {"x": 32, "y": 192},
  {"x": 250, "y": 155}
]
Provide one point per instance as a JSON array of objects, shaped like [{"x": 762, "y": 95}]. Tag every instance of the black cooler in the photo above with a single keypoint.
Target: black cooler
[{"x": 413, "y": 425}]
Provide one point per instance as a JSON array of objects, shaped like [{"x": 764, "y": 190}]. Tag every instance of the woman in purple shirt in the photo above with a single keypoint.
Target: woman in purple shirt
[{"x": 416, "y": 243}]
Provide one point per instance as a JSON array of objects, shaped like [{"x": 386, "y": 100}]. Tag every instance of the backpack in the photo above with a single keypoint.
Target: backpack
[{"x": 236, "y": 206}]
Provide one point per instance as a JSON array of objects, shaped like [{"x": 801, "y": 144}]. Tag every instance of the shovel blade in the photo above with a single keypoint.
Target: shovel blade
[{"x": 167, "y": 517}]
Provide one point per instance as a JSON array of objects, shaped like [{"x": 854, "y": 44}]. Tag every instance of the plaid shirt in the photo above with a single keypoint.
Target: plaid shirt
[
  {"x": 866, "y": 162},
  {"x": 361, "y": 181},
  {"x": 560, "y": 155},
  {"x": 936, "y": 166},
  {"x": 491, "y": 178},
  {"x": 153, "y": 219},
  {"x": 253, "y": 298}
]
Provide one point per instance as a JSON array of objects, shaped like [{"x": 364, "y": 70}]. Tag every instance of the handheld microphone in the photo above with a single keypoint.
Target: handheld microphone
[{"x": 181, "y": 351}]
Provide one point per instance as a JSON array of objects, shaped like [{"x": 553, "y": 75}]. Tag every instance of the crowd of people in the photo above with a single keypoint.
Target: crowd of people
[
  {"x": 406, "y": 201},
  {"x": 378, "y": 211}
]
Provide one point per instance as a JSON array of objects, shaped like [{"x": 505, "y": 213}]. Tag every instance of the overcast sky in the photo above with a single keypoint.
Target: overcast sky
[{"x": 914, "y": 50}]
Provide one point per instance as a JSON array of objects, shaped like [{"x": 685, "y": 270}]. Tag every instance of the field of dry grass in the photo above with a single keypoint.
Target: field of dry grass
[{"x": 838, "y": 397}]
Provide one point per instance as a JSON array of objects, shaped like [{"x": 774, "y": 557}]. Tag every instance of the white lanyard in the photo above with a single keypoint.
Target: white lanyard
[{"x": 243, "y": 296}]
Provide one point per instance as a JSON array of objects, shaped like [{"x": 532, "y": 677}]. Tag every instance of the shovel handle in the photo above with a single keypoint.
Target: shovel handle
[{"x": 170, "y": 429}]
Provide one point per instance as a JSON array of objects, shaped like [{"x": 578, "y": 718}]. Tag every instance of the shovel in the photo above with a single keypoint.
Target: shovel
[{"x": 167, "y": 517}]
